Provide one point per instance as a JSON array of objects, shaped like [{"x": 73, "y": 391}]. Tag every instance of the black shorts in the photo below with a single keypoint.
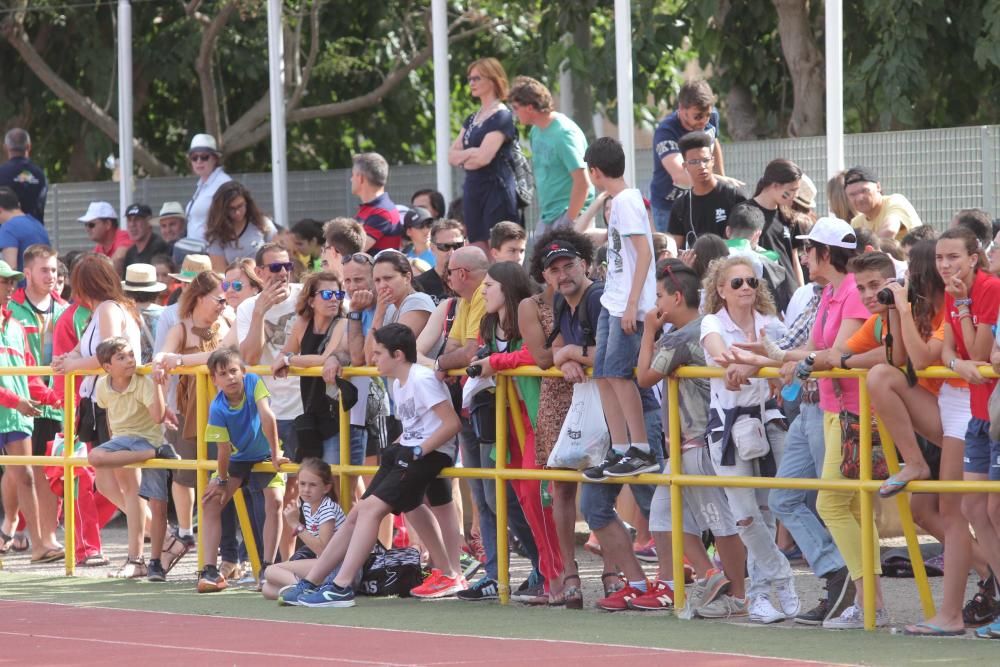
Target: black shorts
[
  {"x": 439, "y": 491},
  {"x": 403, "y": 489},
  {"x": 44, "y": 432},
  {"x": 253, "y": 481}
]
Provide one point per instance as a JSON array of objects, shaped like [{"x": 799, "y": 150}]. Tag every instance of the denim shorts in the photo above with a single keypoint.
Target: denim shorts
[
  {"x": 359, "y": 440},
  {"x": 126, "y": 443},
  {"x": 289, "y": 438},
  {"x": 979, "y": 451},
  {"x": 617, "y": 352},
  {"x": 155, "y": 484},
  {"x": 661, "y": 220}
]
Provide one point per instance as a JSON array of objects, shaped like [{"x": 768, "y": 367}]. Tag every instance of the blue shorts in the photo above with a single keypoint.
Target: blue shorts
[
  {"x": 617, "y": 353},
  {"x": 155, "y": 484},
  {"x": 982, "y": 457},
  {"x": 13, "y": 436},
  {"x": 661, "y": 219},
  {"x": 289, "y": 437},
  {"x": 126, "y": 443},
  {"x": 359, "y": 440}
]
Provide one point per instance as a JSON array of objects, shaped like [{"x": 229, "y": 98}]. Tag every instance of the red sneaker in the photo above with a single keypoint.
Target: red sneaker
[
  {"x": 438, "y": 585},
  {"x": 618, "y": 601},
  {"x": 659, "y": 596}
]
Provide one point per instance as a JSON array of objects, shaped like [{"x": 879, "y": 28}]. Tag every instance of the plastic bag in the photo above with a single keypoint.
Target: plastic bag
[{"x": 583, "y": 439}]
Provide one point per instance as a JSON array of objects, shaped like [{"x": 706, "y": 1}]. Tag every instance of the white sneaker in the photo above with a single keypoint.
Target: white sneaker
[
  {"x": 724, "y": 606},
  {"x": 854, "y": 619},
  {"x": 762, "y": 611},
  {"x": 788, "y": 599}
]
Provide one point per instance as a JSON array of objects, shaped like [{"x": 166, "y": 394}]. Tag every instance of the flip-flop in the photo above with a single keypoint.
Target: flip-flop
[
  {"x": 891, "y": 487},
  {"x": 50, "y": 556},
  {"x": 95, "y": 560},
  {"x": 6, "y": 542},
  {"x": 930, "y": 630},
  {"x": 21, "y": 543}
]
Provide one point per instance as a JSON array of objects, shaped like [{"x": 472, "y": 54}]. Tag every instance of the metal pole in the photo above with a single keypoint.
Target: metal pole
[
  {"x": 442, "y": 96},
  {"x": 124, "y": 105},
  {"x": 502, "y": 434},
  {"x": 869, "y": 540},
  {"x": 276, "y": 78},
  {"x": 676, "y": 491},
  {"x": 834, "y": 37},
  {"x": 623, "y": 65},
  {"x": 69, "y": 472}
]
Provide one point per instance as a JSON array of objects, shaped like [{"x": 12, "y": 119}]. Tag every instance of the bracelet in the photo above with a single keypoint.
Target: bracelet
[
  {"x": 951, "y": 364},
  {"x": 298, "y": 529},
  {"x": 963, "y": 302},
  {"x": 966, "y": 314}
]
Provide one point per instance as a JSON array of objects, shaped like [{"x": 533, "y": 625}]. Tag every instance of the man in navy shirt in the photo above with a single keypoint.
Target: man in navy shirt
[
  {"x": 694, "y": 112},
  {"x": 22, "y": 175},
  {"x": 377, "y": 213},
  {"x": 17, "y": 229}
]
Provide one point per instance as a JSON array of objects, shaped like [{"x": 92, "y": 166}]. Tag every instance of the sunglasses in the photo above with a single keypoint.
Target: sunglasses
[
  {"x": 219, "y": 299},
  {"x": 237, "y": 285},
  {"x": 737, "y": 283},
  {"x": 447, "y": 247},
  {"x": 328, "y": 294},
  {"x": 91, "y": 225},
  {"x": 361, "y": 258},
  {"x": 201, "y": 157},
  {"x": 276, "y": 267}
]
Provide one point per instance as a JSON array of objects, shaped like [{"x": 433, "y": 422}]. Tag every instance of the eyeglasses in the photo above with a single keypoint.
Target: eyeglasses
[
  {"x": 703, "y": 162},
  {"x": 91, "y": 225},
  {"x": 328, "y": 294},
  {"x": 474, "y": 78},
  {"x": 276, "y": 267},
  {"x": 237, "y": 285},
  {"x": 448, "y": 247},
  {"x": 361, "y": 258},
  {"x": 219, "y": 299},
  {"x": 455, "y": 268},
  {"x": 737, "y": 283},
  {"x": 201, "y": 157}
]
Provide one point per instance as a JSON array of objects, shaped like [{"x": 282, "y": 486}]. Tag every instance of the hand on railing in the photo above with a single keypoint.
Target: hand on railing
[{"x": 969, "y": 371}]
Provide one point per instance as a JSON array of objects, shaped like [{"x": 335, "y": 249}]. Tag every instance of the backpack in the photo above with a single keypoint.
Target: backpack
[
  {"x": 524, "y": 178},
  {"x": 391, "y": 572},
  {"x": 559, "y": 307}
]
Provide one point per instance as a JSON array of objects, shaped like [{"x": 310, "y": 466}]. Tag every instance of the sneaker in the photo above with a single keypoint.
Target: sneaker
[
  {"x": 618, "y": 601},
  {"x": 439, "y": 585},
  {"x": 991, "y": 631},
  {"x": 154, "y": 571},
  {"x": 474, "y": 547},
  {"x": 469, "y": 564},
  {"x": 211, "y": 580},
  {"x": 724, "y": 606},
  {"x": 597, "y": 473},
  {"x": 635, "y": 462},
  {"x": 840, "y": 593},
  {"x": 762, "y": 611},
  {"x": 484, "y": 589},
  {"x": 247, "y": 578},
  {"x": 788, "y": 599},
  {"x": 167, "y": 451},
  {"x": 646, "y": 554},
  {"x": 982, "y": 608},
  {"x": 289, "y": 595},
  {"x": 327, "y": 595},
  {"x": 188, "y": 540},
  {"x": 714, "y": 585},
  {"x": 660, "y": 596},
  {"x": 131, "y": 569},
  {"x": 531, "y": 588},
  {"x": 854, "y": 619}
]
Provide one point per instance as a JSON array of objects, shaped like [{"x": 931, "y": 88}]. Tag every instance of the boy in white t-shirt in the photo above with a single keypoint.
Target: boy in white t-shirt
[
  {"x": 629, "y": 293},
  {"x": 426, "y": 447}
]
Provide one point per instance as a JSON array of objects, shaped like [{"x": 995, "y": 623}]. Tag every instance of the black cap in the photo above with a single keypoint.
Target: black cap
[
  {"x": 556, "y": 250},
  {"x": 417, "y": 217},
  {"x": 860, "y": 175},
  {"x": 139, "y": 211}
]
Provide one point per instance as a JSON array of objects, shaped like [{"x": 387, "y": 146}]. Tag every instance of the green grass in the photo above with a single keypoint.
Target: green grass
[{"x": 514, "y": 621}]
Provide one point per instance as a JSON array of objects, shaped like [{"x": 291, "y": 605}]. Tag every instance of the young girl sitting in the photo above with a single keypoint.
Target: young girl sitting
[{"x": 321, "y": 517}]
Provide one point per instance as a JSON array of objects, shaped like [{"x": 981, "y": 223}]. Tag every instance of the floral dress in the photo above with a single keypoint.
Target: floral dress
[{"x": 555, "y": 398}]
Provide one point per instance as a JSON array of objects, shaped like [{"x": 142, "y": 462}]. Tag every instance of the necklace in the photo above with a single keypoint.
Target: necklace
[{"x": 484, "y": 113}]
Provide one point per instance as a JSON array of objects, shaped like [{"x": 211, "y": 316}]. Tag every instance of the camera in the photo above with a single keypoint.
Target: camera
[
  {"x": 886, "y": 297},
  {"x": 476, "y": 371}
]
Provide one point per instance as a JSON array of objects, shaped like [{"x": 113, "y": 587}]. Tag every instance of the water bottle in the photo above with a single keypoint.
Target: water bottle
[{"x": 791, "y": 391}]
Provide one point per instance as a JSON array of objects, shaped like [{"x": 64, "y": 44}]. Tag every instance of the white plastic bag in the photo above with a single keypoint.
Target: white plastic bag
[{"x": 584, "y": 438}]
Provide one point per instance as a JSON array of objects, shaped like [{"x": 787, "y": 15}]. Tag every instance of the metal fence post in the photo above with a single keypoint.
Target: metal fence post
[
  {"x": 676, "y": 490},
  {"x": 69, "y": 472},
  {"x": 987, "y": 137},
  {"x": 503, "y": 556},
  {"x": 346, "y": 492},
  {"x": 867, "y": 508},
  {"x": 201, "y": 453}
]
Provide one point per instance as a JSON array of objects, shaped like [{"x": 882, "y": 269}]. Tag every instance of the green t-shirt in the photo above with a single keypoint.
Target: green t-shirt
[
  {"x": 744, "y": 244},
  {"x": 39, "y": 328},
  {"x": 556, "y": 152}
]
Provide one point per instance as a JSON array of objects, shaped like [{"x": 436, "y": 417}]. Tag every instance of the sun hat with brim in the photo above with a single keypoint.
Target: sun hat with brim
[
  {"x": 832, "y": 232},
  {"x": 99, "y": 210},
  {"x": 7, "y": 272},
  {"x": 171, "y": 209},
  {"x": 806, "y": 198},
  {"x": 204, "y": 142},
  {"x": 192, "y": 266},
  {"x": 142, "y": 278}
]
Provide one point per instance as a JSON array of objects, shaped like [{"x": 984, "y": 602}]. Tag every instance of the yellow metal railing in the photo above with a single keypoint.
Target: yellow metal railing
[{"x": 501, "y": 474}]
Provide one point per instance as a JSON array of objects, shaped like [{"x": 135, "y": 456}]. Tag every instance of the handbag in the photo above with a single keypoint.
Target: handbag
[
  {"x": 850, "y": 439},
  {"x": 390, "y": 572},
  {"x": 584, "y": 438},
  {"x": 750, "y": 436}
]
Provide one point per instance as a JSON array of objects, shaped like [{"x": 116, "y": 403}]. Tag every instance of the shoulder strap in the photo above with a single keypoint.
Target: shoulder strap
[
  {"x": 558, "y": 308},
  {"x": 589, "y": 335}
]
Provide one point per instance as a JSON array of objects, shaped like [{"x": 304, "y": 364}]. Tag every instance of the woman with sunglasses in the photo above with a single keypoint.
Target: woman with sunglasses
[
  {"x": 206, "y": 164},
  {"x": 236, "y": 228},
  {"x": 241, "y": 282},
  {"x": 483, "y": 148},
  {"x": 318, "y": 331},
  {"x": 746, "y": 431},
  {"x": 396, "y": 299}
]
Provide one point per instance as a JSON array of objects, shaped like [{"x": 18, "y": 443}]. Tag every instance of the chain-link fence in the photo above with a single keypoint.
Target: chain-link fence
[{"x": 939, "y": 171}]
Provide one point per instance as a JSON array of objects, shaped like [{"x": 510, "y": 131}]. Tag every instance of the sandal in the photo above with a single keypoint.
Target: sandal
[
  {"x": 6, "y": 542},
  {"x": 50, "y": 556},
  {"x": 21, "y": 542},
  {"x": 95, "y": 560},
  {"x": 132, "y": 569},
  {"x": 571, "y": 595},
  {"x": 174, "y": 549},
  {"x": 616, "y": 585}
]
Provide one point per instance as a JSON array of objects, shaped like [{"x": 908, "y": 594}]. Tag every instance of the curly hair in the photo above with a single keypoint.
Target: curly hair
[
  {"x": 566, "y": 234},
  {"x": 219, "y": 227},
  {"x": 763, "y": 303}
]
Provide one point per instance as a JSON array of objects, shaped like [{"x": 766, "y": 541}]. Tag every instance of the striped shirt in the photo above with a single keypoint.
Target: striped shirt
[{"x": 328, "y": 510}]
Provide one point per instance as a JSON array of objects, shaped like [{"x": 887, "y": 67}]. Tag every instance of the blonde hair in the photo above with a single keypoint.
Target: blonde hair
[{"x": 715, "y": 277}]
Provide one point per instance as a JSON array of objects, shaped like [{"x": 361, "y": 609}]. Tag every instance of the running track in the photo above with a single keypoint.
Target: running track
[{"x": 52, "y": 634}]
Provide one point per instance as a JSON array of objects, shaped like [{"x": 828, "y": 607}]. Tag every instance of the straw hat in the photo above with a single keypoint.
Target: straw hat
[
  {"x": 192, "y": 266},
  {"x": 141, "y": 278}
]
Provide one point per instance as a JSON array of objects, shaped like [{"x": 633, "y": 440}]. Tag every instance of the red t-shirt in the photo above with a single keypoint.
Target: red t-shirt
[
  {"x": 122, "y": 240},
  {"x": 985, "y": 295}
]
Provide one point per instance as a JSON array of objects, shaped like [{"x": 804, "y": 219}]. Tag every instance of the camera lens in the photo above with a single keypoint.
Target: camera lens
[
  {"x": 474, "y": 371},
  {"x": 886, "y": 297}
]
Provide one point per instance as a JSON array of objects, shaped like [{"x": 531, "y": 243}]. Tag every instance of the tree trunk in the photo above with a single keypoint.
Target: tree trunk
[
  {"x": 741, "y": 114},
  {"x": 583, "y": 92},
  {"x": 805, "y": 64}
]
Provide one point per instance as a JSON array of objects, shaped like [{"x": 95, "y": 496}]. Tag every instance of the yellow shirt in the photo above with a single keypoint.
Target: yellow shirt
[
  {"x": 467, "y": 318},
  {"x": 128, "y": 411},
  {"x": 892, "y": 206}
]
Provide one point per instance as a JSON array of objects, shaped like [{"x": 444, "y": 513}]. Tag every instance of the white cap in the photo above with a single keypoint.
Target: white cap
[
  {"x": 98, "y": 210},
  {"x": 204, "y": 142},
  {"x": 832, "y": 232}
]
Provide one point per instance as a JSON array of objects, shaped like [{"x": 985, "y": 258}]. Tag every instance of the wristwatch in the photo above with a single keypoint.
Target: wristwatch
[
  {"x": 951, "y": 364},
  {"x": 417, "y": 453},
  {"x": 843, "y": 360},
  {"x": 288, "y": 358},
  {"x": 437, "y": 364},
  {"x": 354, "y": 315},
  {"x": 221, "y": 482}
]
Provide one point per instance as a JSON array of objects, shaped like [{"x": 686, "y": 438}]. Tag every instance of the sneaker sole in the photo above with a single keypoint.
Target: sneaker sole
[
  {"x": 443, "y": 593},
  {"x": 808, "y": 621},
  {"x": 653, "y": 467},
  {"x": 647, "y": 559},
  {"x": 210, "y": 588},
  {"x": 636, "y": 607},
  {"x": 156, "y": 579},
  {"x": 768, "y": 620},
  {"x": 484, "y": 598},
  {"x": 339, "y": 604}
]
